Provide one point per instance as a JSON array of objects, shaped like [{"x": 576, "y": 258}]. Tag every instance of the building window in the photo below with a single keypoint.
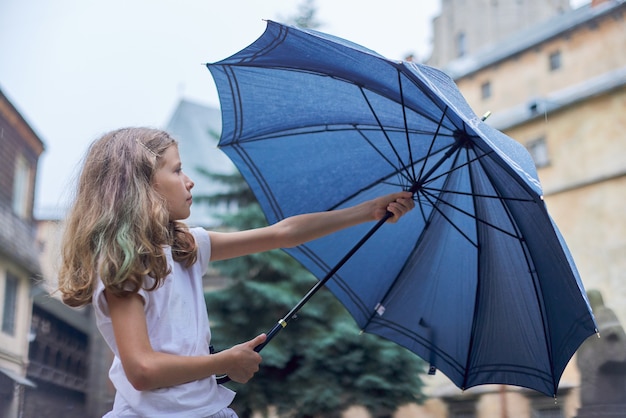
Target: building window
[
  {"x": 555, "y": 60},
  {"x": 10, "y": 304},
  {"x": 21, "y": 187},
  {"x": 539, "y": 151},
  {"x": 485, "y": 90},
  {"x": 461, "y": 45}
]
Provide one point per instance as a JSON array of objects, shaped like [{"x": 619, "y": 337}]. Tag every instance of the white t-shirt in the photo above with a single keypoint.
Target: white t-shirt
[{"x": 177, "y": 323}]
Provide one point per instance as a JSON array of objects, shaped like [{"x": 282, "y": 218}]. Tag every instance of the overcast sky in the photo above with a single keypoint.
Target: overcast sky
[{"x": 78, "y": 68}]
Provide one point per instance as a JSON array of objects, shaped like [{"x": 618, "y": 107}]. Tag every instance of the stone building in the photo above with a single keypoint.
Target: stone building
[
  {"x": 52, "y": 362},
  {"x": 68, "y": 360},
  {"x": 20, "y": 148}
]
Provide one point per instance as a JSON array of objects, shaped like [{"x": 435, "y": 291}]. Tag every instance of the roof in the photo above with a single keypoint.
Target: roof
[
  {"x": 530, "y": 37},
  {"x": 15, "y": 118}
]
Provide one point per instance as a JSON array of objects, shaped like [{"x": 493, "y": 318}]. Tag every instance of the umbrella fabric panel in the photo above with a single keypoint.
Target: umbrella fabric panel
[
  {"x": 560, "y": 283},
  {"x": 431, "y": 294}
]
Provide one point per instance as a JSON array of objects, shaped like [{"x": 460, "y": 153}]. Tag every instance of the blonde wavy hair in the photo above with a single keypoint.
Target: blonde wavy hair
[{"x": 118, "y": 225}]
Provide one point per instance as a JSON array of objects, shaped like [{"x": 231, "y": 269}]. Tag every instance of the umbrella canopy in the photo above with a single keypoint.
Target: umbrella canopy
[{"x": 477, "y": 280}]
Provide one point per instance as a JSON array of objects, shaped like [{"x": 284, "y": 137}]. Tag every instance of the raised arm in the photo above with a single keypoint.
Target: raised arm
[{"x": 299, "y": 229}]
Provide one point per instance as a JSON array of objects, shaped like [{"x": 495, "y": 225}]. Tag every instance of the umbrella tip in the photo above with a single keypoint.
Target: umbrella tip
[{"x": 486, "y": 115}]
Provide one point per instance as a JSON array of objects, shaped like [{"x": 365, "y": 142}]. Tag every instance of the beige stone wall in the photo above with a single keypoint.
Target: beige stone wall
[{"x": 587, "y": 52}]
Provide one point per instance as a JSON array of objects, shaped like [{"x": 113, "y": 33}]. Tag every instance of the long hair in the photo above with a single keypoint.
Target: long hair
[{"x": 118, "y": 225}]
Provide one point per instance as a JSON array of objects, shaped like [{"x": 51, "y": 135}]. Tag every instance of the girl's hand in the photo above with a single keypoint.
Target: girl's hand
[
  {"x": 396, "y": 203},
  {"x": 243, "y": 360}
]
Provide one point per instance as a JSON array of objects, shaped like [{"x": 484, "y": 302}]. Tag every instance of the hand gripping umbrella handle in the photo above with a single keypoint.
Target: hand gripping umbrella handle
[{"x": 269, "y": 335}]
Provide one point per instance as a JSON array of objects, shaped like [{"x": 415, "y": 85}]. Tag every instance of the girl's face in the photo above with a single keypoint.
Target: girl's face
[{"x": 173, "y": 185}]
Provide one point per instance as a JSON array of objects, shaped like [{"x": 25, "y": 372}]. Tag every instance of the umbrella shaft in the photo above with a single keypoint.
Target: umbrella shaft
[{"x": 292, "y": 313}]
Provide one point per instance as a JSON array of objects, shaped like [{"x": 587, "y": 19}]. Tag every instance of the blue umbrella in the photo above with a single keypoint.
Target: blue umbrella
[{"x": 477, "y": 279}]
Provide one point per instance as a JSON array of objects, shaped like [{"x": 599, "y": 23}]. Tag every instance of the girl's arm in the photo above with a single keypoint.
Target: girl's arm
[
  {"x": 299, "y": 229},
  {"x": 147, "y": 369}
]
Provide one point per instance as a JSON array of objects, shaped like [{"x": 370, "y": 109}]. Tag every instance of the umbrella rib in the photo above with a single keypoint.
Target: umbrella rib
[
  {"x": 384, "y": 157},
  {"x": 432, "y": 143},
  {"x": 393, "y": 148},
  {"x": 476, "y": 218},
  {"x": 470, "y": 345},
  {"x": 466, "y": 164},
  {"x": 486, "y": 196},
  {"x": 455, "y": 167},
  {"x": 427, "y": 196},
  {"x": 406, "y": 125}
]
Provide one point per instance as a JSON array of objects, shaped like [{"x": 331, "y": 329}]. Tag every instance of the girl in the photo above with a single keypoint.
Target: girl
[{"x": 126, "y": 251}]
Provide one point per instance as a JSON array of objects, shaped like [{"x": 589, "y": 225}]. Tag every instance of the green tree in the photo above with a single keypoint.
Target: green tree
[{"x": 321, "y": 364}]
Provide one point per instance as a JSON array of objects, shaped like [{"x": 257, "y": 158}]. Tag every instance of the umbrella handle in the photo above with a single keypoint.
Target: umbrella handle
[{"x": 270, "y": 334}]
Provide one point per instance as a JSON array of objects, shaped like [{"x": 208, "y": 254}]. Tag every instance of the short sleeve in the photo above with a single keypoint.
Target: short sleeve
[
  {"x": 100, "y": 303},
  {"x": 203, "y": 241}
]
